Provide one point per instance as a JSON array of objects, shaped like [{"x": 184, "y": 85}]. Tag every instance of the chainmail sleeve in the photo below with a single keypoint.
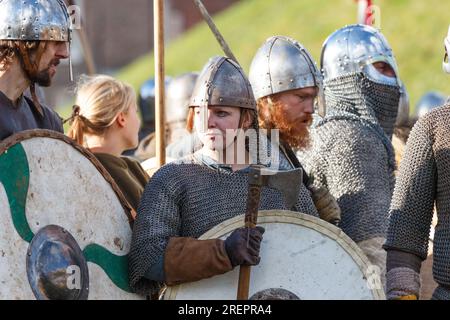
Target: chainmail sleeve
[
  {"x": 157, "y": 220},
  {"x": 356, "y": 172},
  {"x": 415, "y": 190}
]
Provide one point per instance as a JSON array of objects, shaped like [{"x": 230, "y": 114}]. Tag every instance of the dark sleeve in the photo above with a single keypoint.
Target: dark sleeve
[
  {"x": 53, "y": 121},
  {"x": 50, "y": 121},
  {"x": 412, "y": 204}
]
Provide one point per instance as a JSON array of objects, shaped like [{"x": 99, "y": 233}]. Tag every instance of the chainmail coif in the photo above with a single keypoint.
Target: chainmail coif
[
  {"x": 352, "y": 155},
  {"x": 423, "y": 181},
  {"x": 186, "y": 198}
]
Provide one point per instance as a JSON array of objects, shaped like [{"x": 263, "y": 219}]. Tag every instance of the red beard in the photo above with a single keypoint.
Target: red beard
[{"x": 296, "y": 132}]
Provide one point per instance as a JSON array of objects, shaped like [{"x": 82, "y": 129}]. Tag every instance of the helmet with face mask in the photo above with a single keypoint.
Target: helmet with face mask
[
  {"x": 403, "y": 108},
  {"x": 352, "y": 82}
]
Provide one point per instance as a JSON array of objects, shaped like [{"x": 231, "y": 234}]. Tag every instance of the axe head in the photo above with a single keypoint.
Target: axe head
[{"x": 286, "y": 181}]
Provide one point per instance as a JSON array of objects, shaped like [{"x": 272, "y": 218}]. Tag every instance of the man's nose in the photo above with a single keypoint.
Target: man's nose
[
  {"x": 63, "y": 51},
  {"x": 309, "y": 107}
]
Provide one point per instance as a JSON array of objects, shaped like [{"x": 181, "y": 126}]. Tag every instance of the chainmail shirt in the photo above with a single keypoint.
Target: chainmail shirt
[
  {"x": 424, "y": 181},
  {"x": 352, "y": 155},
  {"x": 186, "y": 198}
]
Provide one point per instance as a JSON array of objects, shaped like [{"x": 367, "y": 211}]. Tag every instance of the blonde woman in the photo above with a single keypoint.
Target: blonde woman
[{"x": 105, "y": 121}]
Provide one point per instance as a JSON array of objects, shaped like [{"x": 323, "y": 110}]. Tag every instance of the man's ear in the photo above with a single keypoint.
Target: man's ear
[{"x": 120, "y": 120}]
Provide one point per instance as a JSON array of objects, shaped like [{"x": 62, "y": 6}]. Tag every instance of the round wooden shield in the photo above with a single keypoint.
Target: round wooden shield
[
  {"x": 46, "y": 179},
  {"x": 302, "y": 257}
]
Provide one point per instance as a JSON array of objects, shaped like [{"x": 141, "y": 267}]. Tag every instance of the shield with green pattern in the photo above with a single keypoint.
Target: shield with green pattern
[{"x": 65, "y": 226}]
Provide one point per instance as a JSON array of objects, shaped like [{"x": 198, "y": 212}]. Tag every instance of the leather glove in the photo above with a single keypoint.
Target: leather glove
[
  {"x": 326, "y": 205},
  {"x": 243, "y": 252}
]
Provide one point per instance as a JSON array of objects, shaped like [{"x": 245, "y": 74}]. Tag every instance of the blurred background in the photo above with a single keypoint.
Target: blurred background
[{"x": 120, "y": 34}]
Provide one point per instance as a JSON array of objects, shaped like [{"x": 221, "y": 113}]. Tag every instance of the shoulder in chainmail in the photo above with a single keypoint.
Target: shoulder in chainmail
[
  {"x": 424, "y": 181},
  {"x": 186, "y": 198},
  {"x": 352, "y": 156}
]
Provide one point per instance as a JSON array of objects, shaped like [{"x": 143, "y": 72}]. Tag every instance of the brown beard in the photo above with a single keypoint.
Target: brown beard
[
  {"x": 294, "y": 133},
  {"x": 43, "y": 77}
]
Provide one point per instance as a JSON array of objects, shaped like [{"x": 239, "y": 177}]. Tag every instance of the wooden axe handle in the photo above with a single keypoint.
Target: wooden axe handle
[{"x": 251, "y": 218}]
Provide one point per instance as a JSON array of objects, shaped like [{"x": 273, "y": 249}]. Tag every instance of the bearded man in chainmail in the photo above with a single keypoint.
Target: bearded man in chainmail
[
  {"x": 286, "y": 82},
  {"x": 352, "y": 153},
  {"x": 422, "y": 183},
  {"x": 188, "y": 197},
  {"x": 34, "y": 37}
]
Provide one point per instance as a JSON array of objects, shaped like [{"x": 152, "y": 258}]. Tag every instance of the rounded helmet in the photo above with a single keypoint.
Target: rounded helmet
[
  {"x": 222, "y": 82},
  {"x": 146, "y": 101},
  {"x": 282, "y": 64},
  {"x": 34, "y": 20},
  {"x": 354, "y": 49},
  {"x": 428, "y": 102},
  {"x": 178, "y": 96}
]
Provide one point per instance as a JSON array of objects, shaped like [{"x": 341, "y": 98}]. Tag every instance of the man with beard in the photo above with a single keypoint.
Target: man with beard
[
  {"x": 352, "y": 153},
  {"x": 34, "y": 37},
  {"x": 286, "y": 82},
  {"x": 422, "y": 185}
]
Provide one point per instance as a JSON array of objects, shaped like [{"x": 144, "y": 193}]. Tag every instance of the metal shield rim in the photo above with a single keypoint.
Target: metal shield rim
[
  {"x": 292, "y": 217},
  {"x": 44, "y": 133}
]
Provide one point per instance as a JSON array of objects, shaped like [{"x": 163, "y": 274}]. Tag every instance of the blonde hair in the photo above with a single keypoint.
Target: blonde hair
[{"x": 99, "y": 101}]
